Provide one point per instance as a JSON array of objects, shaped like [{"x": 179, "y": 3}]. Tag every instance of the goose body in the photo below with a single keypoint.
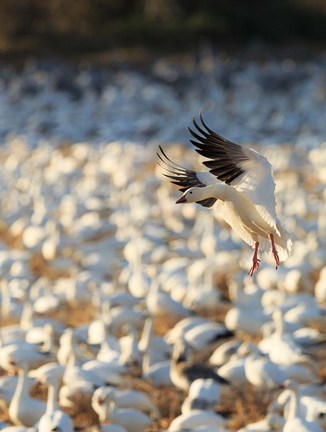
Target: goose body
[
  {"x": 183, "y": 372},
  {"x": 123, "y": 399},
  {"x": 23, "y": 409},
  {"x": 296, "y": 419},
  {"x": 241, "y": 180},
  {"x": 131, "y": 419},
  {"x": 197, "y": 418},
  {"x": 53, "y": 418},
  {"x": 203, "y": 394}
]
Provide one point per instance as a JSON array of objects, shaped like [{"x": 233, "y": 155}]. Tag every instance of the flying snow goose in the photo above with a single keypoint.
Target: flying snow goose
[{"x": 242, "y": 180}]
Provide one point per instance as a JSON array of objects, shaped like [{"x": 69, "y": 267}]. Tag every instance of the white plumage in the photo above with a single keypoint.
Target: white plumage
[{"x": 241, "y": 180}]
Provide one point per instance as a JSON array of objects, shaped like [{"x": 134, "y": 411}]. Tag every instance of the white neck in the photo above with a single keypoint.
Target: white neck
[
  {"x": 21, "y": 393},
  {"x": 215, "y": 190},
  {"x": 52, "y": 403},
  {"x": 294, "y": 407},
  {"x": 279, "y": 322},
  {"x": 26, "y": 320}
]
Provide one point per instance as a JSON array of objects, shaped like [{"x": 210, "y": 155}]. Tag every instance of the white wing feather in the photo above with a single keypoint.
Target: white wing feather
[
  {"x": 206, "y": 177},
  {"x": 258, "y": 186}
]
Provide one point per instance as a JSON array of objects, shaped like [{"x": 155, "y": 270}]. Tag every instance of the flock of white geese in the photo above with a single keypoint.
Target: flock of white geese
[{"x": 114, "y": 300}]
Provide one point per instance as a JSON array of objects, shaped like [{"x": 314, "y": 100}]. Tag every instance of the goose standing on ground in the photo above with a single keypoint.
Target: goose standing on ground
[
  {"x": 242, "y": 180},
  {"x": 124, "y": 399},
  {"x": 204, "y": 394},
  {"x": 24, "y": 410},
  {"x": 184, "y": 372},
  {"x": 54, "y": 418},
  {"x": 131, "y": 419},
  {"x": 296, "y": 420}
]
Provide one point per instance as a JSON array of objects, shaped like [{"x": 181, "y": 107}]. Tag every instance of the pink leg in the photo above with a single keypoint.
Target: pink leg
[
  {"x": 274, "y": 251},
  {"x": 255, "y": 261}
]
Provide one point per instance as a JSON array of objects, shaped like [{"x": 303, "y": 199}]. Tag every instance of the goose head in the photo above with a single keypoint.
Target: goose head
[
  {"x": 179, "y": 352},
  {"x": 204, "y": 195},
  {"x": 191, "y": 195}
]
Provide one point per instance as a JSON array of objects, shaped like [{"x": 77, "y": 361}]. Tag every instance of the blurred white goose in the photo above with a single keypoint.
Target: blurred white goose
[
  {"x": 8, "y": 386},
  {"x": 195, "y": 419},
  {"x": 28, "y": 321},
  {"x": 310, "y": 396},
  {"x": 23, "y": 410},
  {"x": 234, "y": 370},
  {"x": 296, "y": 420},
  {"x": 159, "y": 374},
  {"x": 272, "y": 422},
  {"x": 112, "y": 428},
  {"x": 280, "y": 346},
  {"x": 130, "y": 354},
  {"x": 183, "y": 372},
  {"x": 124, "y": 399},
  {"x": 54, "y": 418},
  {"x": 259, "y": 370},
  {"x": 131, "y": 419},
  {"x": 67, "y": 344},
  {"x": 203, "y": 394},
  {"x": 94, "y": 371},
  {"x": 155, "y": 346},
  {"x": 18, "y": 429},
  {"x": 205, "y": 335},
  {"x": 224, "y": 352},
  {"x": 159, "y": 302},
  {"x": 246, "y": 190},
  {"x": 181, "y": 327},
  {"x": 76, "y": 394}
]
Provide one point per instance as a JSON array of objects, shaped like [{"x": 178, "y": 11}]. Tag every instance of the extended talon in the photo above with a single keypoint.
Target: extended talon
[
  {"x": 255, "y": 261},
  {"x": 274, "y": 251},
  {"x": 255, "y": 267}
]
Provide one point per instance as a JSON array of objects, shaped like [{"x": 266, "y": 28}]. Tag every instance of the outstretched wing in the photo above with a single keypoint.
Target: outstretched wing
[
  {"x": 185, "y": 178},
  {"x": 246, "y": 170}
]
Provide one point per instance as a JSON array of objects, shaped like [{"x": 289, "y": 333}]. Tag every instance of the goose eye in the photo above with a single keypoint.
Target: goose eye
[{"x": 190, "y": 192}]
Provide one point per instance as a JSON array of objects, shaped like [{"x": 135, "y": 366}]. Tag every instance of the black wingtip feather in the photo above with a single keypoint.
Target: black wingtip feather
[
  {"x": 182, "y": 177},
  {"x": 199, "y": 128}
]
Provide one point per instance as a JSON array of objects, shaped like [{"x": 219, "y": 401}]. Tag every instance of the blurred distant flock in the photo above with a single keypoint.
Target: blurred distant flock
[{"x": 99, "y": 267}]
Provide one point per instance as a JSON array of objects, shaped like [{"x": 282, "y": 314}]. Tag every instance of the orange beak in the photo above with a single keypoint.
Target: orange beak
[{"x": 181, "y": 200}]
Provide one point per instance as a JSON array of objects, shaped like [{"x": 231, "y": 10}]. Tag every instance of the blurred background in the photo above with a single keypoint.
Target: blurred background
[
  {"x": 89, "y": 26},
  {"x": 255, "y": 67},
  {"x": 89, "y": 233}
]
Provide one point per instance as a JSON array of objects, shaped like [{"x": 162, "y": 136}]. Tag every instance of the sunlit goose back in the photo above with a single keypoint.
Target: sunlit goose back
[
  {"x": 131, "y": 419},
  {"x": 259, "y": 370},
  {"x": 241, "y": 179},
  {"x": 183, "y": 372},
  {"x": 123, "y": 399},
  {"x": 272, "y": 422},
  {"x": 160, "y": 303},
  {"x": 295, "y": 420},
  {"x": 196, "y": 419},
  {"x": 280, "y": 346},
  {"x": 54, "y": 418},
  {"x": 23, "y": 410},
  {"x": 203, "y": 394}
]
